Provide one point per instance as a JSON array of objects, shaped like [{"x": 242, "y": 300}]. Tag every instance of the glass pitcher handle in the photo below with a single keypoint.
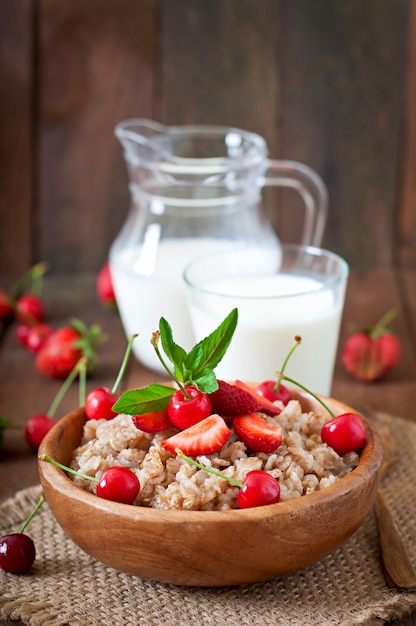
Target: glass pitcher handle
[{"x": 311, "y": 188}]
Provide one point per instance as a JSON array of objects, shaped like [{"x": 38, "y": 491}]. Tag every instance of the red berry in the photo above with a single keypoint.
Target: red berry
[
  {"x": 267, "y": 389},
  {"x": 369, "y": 359},
  {"x": 265, "y": 406},
  {"x": 259, "y": 489},
  {"x": 17, "y": 553},
  {"x": 22, "y": 333},
  {"x": 36, "y": 428},
  {"x": 153, "y": 421},
  {"x": 345, "y": 433},
  {"x": 184, "y": 411},
  {"x": 6, "y": 306},
  {"x": 229, "y": 401},
  {"x": 256, "y": 433},
  {"x": 29, "y": 309},
  {"x": 99, "y": 403},
  {"x": 36, "y": 337},
  {"x": 205, "y": 437},
  {"x": 59, "y": 354},
  {"x": 104, "y": 287},
  {"x": 118, "y": 484}
]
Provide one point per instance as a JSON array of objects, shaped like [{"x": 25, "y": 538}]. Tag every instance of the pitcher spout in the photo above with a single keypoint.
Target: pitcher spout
[{"x": 142, "y": 140}]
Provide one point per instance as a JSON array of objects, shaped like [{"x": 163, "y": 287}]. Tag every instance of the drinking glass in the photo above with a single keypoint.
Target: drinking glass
[{"x": 280, "y": 293}]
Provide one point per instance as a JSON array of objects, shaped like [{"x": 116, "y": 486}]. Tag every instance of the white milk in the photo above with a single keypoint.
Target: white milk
[
  {"x": 148, "y": 285},
  {"x": 267, "y": 327}
]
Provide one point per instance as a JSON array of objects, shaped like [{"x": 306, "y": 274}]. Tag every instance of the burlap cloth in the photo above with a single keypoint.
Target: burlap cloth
[{"x": 67, "y": 587}]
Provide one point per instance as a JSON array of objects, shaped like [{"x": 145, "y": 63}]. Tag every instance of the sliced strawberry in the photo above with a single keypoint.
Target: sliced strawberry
[
  {"x": 153, "y": 421},
  {"x": 256, "y": 433},
  {"x": 205, "y": 437},
  {"x": 265, "y": 406},
  {"x": 229, "y": 401}
]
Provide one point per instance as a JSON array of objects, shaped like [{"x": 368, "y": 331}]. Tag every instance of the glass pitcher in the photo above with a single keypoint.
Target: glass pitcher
[{"x": 194, "y": 190}]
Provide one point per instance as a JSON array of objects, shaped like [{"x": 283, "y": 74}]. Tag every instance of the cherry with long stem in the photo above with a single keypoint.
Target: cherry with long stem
[
  {"x": 17, "y": 550},
  {"x": 116, "y": 483},
  {"x": 100, "y": 401},
  {"x": 258, "y": 489},
  {"x": 343, "y": 433}
]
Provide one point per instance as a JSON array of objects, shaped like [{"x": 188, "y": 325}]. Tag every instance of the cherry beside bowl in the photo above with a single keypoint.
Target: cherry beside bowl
[{"x": 210, "y": 548}]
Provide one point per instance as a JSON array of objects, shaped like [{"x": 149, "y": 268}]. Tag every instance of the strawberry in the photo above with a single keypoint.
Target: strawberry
[
  {"x": 229, "y": 401},
  {"x": 371, "y": 353},
  {"x": 153, "y": 421},
  {"x": 104, "y": 287},
  {"x": 65, "y": 346},
  {"x": 256, "y": 433},
  {"x": 204, "y": 437},
  {"x": 265, "y": 406}
]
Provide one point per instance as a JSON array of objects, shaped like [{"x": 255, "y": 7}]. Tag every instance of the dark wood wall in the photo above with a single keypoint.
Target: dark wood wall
[{"x": 331, "y": 83}]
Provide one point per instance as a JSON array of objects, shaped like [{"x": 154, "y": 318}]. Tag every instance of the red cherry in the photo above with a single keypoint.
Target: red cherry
[
  {"x": 267, "y": 389},
  {"x": 36, "y": 337},
  {"x": 22, "y": 333},
  {"x": 259, "y": 489},
  {"x": 17, "y": 553},
  {"x": 29, "y": 309},
  {"x": 118, "y": 484},
  {"x": 185, "y": 411},
  {"x": 36, "y": 428},
  {"x": 99, "y": 403},
  {"x": 345, "y": 433}
]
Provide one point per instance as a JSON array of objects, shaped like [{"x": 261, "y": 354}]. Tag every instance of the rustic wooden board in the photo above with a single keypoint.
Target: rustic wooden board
[
  {"x": 323, "y": 82},
  {"x": 97, "y": 62},
  {"x": 219, "y": 63},
  {"x": 17, "y": 248},
  {"x": 343, "y": 77},
  {"x": 406, "y": 242}
]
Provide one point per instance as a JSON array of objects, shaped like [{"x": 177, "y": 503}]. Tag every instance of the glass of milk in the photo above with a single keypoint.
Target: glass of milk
[{"x": 280, "y": 293}]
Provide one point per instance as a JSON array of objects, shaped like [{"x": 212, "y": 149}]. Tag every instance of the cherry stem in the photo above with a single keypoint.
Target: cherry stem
[
  {"x": 317, "y": 398},
  {"x": 285, "y": 362},
  {"x": 33, "y": 513},
  {"x": 34, "y": 274},
  {"x": 155, "y": 343},
  {"x": 384, "y": 322},
  {"x": 79, "y": 368},
  {"x": 49, "y": 459},
  {"x": 210, "y": 470},
  {"x": 124, "y": 364}
]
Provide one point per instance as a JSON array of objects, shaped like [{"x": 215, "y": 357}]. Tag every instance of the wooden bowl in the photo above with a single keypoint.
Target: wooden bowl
[{"x": 210, "y": 548}]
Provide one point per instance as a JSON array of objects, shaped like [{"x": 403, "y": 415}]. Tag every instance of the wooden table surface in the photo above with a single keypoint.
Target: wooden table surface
[{"x": 23, "y": 391}]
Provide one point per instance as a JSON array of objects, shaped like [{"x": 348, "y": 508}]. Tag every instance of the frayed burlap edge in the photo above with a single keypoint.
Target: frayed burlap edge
[{"x": 68, "y": 588}]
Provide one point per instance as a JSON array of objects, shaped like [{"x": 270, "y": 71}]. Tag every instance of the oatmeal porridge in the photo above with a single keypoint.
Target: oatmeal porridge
[{"x": 301, "y": 464}]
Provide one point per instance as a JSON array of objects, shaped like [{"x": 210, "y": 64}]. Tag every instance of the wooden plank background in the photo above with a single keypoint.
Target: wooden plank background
[{"x": 328, "y": 83}]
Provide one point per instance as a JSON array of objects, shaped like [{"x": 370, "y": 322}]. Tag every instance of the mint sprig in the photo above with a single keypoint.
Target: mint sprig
[{"x": 194, "y": 368}]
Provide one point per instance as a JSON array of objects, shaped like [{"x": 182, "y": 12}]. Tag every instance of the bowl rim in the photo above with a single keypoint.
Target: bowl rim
[{"x": 370, "y": 463}]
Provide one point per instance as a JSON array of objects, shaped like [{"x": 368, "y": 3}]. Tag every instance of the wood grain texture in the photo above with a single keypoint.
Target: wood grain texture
[
  {"x": 341, "y": 108},
  {"x": 16, "y": 140},
  {"x": 97, "y": 63},
  {"x": 329, "y": 84},
  {"x": 406, "y": 200}
]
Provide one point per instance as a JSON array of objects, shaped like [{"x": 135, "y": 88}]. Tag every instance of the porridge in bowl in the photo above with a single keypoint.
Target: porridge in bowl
[{"x": 301, "y": 464}]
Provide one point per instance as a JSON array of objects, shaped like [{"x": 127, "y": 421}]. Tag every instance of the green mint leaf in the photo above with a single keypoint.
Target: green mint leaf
[
  {"x": 155, "y": 397},
  {"x": 206, "y": 381},
  {"x": 212, "y": 347},
  {"x": 175, "y": 353}
]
